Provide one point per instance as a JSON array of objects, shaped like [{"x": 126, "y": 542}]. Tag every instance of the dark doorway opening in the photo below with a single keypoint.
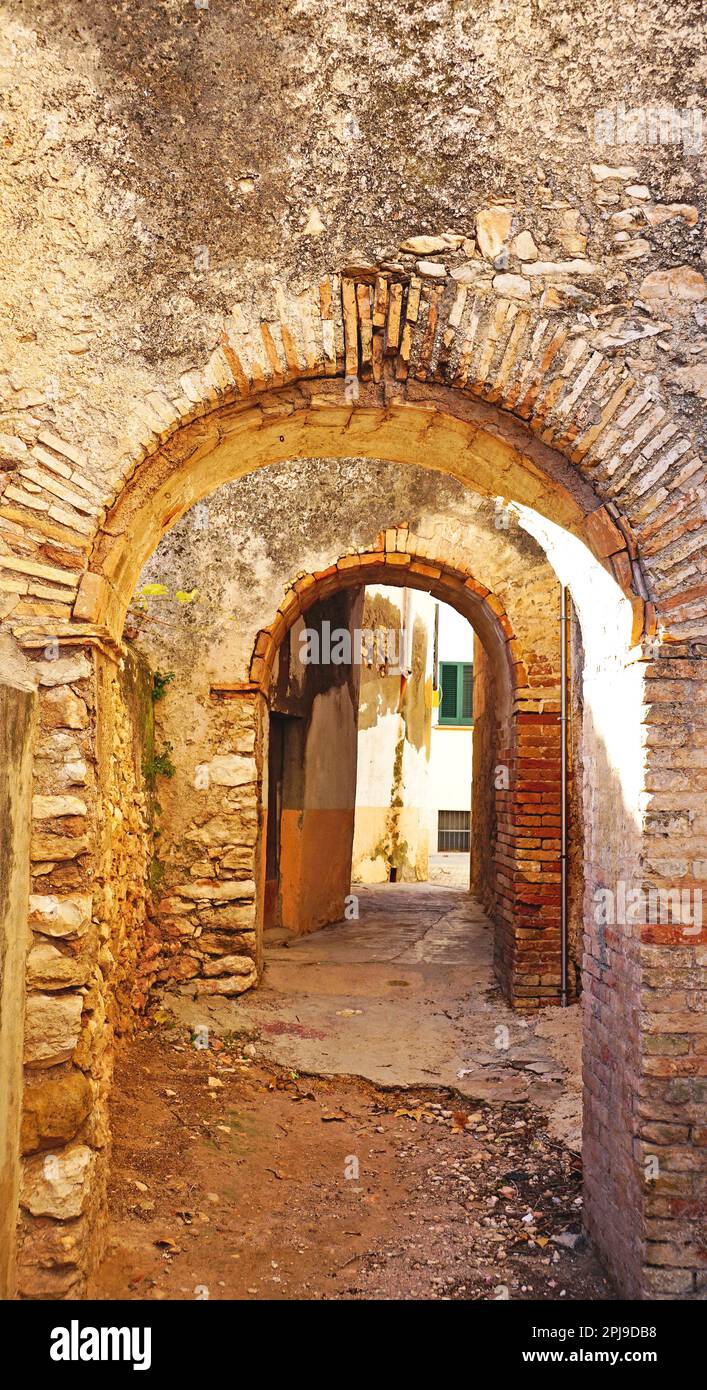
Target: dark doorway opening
[{"x": 284, "y": 758}]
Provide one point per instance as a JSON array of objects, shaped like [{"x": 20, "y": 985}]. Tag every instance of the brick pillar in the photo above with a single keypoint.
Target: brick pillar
[
  {"x": 645, "y": 1034},
  {"x": 536, "y": 848},
  {"x": 613, "y": 1190},
  {"x": 527, "y": 952},
  {"x": 671, "y": 1104}
]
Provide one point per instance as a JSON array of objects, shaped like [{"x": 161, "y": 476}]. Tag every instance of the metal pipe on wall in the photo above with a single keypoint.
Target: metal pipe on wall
[{"x": 564, "y": 943}]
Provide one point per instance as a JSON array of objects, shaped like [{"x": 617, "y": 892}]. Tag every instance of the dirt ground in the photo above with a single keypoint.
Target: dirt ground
[
  {"x": 404, "y": 996},
  {"x": 233, "y": 1178}
]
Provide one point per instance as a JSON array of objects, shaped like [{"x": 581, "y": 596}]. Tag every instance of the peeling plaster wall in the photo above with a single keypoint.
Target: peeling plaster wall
[
  {"x": 394, "y": 724},
  {"x": 319, "y": 775}
]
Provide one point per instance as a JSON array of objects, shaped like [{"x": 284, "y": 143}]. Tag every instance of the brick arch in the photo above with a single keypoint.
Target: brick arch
[
  {"x": 399, "y": 558},
  {"x": 567, "y": 404},
  {"x": 525, "y": 899},
  {"x": 515, "y": 399},
  {"x": 439, "y": 427},
  {"x": 432, "y": 426}
]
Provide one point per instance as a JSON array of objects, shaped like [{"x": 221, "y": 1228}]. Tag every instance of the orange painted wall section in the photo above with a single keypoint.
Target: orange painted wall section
[{"x": 315, "y": 867}]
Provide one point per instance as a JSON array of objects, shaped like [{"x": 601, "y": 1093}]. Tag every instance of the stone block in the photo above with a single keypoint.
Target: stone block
[
  {"x": 49, "y": 968},
  {"x": 229, "y": 965},
  {"x": 58, "y": 1185},
  {"x": 62, "y": 709},
  {"x": 53, "y": 915},
  {"x": 64, "y": 671},
  {"x": 52, "y": 1026},
  {"x": 54, "y": 1110},
  {"x": 228, "y": 984},
  {"x": 48, "y": 807}
]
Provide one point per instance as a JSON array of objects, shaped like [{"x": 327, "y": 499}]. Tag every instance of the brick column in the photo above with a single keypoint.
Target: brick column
[
  {"x": 671, "y": 1100},
  {"x": 535, "y": 841},
  {"x": 613, "y": 1189},
  {"x": 527, "y": 952},
  {"x": 645, "y": 1035}
]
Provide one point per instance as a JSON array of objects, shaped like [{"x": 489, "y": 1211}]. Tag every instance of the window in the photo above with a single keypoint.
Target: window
[
  {"x": 453, "y": 831},
  {"x": 456, "y": 684}
]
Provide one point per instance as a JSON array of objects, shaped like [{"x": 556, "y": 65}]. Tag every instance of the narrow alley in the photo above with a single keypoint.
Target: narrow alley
[
  {"x": 404, "y": 996},
  {"x": 374, "y": 1122}
]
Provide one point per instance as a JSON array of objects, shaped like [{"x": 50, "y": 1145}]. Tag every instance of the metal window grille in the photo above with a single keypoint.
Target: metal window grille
[{"x": 453, "y": 831}]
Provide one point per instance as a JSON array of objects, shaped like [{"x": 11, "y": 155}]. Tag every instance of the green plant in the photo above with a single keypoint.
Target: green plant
[
  {"x": 160, "y": 682},
  {"x": 159, "y": 765},
  {"x": 156, "y": 873}
]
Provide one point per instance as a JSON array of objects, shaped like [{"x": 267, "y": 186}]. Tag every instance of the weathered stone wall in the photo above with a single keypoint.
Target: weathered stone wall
[
  {"x": 151, "y": 195},
  {"x": 90, "y": 855},
  {"x": 225, "y": 565},
  {"x": 210, "y": 850},
  {"x": 17, "y": 718}
]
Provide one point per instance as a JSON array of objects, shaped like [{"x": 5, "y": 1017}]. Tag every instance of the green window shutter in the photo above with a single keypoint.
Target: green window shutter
[
  {"x": 467, "y": 692},
  {"x": 456, "y": 683},
  {"x": 448, "y": 704}
]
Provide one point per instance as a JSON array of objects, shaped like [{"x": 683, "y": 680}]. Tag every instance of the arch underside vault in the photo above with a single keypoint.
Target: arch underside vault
[{"x": 381, "y": 363}]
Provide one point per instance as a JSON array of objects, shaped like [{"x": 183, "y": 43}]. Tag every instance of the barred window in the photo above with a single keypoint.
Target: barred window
[{"x": 453, "y": 831}]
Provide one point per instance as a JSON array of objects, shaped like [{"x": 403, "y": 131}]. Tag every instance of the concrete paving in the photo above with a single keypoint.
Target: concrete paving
[
  {"x": 404, "y": 996},
  {"x": 449, "y": 870}
]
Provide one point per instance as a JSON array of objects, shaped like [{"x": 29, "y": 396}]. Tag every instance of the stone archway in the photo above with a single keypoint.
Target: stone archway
[
  {"x": 515, "y": 400},
  {"x": 232, "y": 753},
  {"x": 515, "y": 397},
  {"x": 518, "y": 399},
  {"x": 524, "y": 861},
  {"x": 441, "y": 427}
]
